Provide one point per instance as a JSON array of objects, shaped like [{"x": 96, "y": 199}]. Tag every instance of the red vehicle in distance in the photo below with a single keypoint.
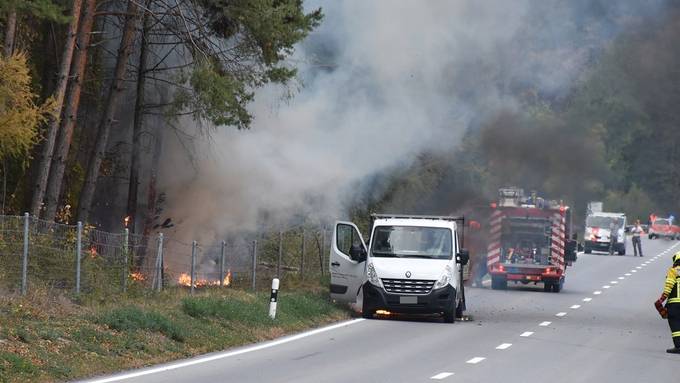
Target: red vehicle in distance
[{"x": 663, "y": 228}]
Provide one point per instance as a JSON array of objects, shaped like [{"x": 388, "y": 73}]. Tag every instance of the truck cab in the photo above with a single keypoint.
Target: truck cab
[{"x": 411, "y": 264}]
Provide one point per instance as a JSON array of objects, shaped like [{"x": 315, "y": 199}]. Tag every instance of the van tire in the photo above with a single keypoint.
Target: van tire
[
  {"x": 449, "y": 315},
  {"x": 459, "y": 310},
  {"x": 367, "y": 311}
]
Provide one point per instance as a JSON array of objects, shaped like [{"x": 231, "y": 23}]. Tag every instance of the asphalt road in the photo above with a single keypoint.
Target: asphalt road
[{"x": 601, "y": 328}]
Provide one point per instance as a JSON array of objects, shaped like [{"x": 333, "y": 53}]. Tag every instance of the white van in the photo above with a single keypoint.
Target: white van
[{"x": 412, "y": 264}]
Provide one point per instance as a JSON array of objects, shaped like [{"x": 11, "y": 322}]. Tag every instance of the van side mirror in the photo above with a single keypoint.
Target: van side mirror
[
  {"x": 357, "y": 253},
  {"x": 463, "y": 256}
]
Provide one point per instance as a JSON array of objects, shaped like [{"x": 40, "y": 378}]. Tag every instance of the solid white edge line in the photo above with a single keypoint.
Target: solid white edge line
[
  {"x": 544, "y": 324},
  {"x": 442, "y": 375},
  {"x": 222, "y": 355},
  {"x": 475, "y": 360},
  {"x": 504, "y": 346},
  {"x": 526, "y": 334}
]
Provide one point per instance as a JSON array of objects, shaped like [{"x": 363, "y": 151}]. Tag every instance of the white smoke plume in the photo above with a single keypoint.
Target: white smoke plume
[{"x": 381, "y": 82}]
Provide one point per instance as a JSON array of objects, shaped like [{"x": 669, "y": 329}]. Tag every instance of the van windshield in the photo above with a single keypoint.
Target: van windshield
[
  {"x": 412, "y": 242},
  {"x": 603, "y": 222}
]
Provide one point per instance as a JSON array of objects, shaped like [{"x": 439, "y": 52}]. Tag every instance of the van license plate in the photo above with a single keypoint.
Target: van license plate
[{"x": 408, "y": 300}]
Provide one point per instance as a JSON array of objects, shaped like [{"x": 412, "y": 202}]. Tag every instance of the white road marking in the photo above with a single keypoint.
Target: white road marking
[
  {"x": 633, "y": 271},
  {"x": 598, "y": 292},
  {"x": 638, "y": 267},
  {"x": 622, "y": 277},
  {"x": 628, "y": 274},
  {"x": 606, "y": 286},
  {"x": 475, "y": 360},
  {"x": 223, "y": 355},
  {"x": 527, "y": 334},
  {"x": 545, "y": 324},
  {"x": 442, "y": 375},
  {"x": 613, "y": 282},
  {"x": 560, "y": 314},
  {"x": 575, "y": 307},
  {"x": 587, "y": 299},
  {"x": 504, "y": 346}
]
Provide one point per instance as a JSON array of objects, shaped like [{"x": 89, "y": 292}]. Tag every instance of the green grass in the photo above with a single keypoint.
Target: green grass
[{"x": 48, "y": 339}]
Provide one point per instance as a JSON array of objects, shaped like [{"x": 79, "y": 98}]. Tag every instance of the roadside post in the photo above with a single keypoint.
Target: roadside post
[{"x": 273, "y": 298}]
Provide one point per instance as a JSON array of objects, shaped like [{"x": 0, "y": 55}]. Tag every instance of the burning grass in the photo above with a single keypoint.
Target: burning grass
[{"x": 44, "y": 338}]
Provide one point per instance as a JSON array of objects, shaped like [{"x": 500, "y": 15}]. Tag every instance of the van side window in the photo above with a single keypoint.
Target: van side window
[{"x": 348, "y": 238}]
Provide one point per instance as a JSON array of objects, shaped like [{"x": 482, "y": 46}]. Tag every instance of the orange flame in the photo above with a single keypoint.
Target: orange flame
[
  {"x": 185, "y": 280},
  {"x": 93, "y": 252},
  {"x": 137, "y": 276},
  {"x": 126, "y": 220}
]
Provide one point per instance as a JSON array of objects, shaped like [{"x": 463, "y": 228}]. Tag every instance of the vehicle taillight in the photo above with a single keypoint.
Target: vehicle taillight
[
  {"x": 501, "y": 268},
  {"x": 549, "y": 270}
]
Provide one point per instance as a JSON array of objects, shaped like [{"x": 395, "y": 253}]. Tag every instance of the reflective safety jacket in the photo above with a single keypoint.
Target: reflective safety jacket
[{"x": 672, "y": 286}]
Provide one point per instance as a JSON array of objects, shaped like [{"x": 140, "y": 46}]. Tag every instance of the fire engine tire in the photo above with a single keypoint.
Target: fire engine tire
[
  {"x": 557, "y": 287},
  {"x": 587, "y": 250},
  {"x": 547, "y": 287},
  {"x": 499, "y": 284},
  {"x": 651, "y": 236}
]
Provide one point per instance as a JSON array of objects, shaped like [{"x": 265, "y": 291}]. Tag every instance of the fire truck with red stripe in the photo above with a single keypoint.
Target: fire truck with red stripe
[{"x": 529, "y": 241}]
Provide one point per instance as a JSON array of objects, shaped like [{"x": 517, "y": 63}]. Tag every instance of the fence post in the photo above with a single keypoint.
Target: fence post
[
  {"x": 323, "y": 248},
  {"x": 159, "y": 263},
  {"x": 302, "y": 255},
  {"x": 24, "y": 263},
  {"x": 224, "y": 245},
  {"x": 79, "y": 251},
  {"x": 194, "y": 244},
  {"x": 126, "y": 238},
  {"x": 254, "y": 276},
  {"x": 278, "y": 262}
]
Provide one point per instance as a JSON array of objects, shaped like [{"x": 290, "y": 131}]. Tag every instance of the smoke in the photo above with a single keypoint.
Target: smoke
[{"x": 382, "y": 82}]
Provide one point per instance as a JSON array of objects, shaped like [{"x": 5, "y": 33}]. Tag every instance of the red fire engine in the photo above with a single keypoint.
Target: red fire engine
[{"x": 529, "y": 241}]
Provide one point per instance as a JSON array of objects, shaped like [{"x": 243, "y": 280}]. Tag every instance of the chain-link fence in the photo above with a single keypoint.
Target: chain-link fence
[{"x": 83, "y": 259}]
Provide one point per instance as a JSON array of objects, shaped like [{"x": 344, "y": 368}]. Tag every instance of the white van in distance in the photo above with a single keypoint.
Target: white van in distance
[{"x": 412, "y": 264}]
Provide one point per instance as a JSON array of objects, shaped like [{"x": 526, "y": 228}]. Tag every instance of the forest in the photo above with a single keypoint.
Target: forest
[{"x": 91, "y": 91}]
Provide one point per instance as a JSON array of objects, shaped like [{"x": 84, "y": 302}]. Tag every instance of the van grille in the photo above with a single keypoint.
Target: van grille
[{"x": 407, "y": 286}]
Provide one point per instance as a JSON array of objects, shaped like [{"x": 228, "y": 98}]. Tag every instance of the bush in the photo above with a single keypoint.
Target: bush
[
  {"x": 232, "y": 309},
  {"x": 134, "y": 318}
]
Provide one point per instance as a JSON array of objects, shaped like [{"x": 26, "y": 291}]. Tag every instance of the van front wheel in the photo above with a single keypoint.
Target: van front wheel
[{"x": 449, "y": 315}]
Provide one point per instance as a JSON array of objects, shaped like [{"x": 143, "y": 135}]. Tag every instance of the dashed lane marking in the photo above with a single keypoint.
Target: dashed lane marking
[
  {"x": 628, "y": 274},
  {"x": 475, "y": 360},
  {"x": 587, "y": 299},
  {"x": 527, "y": 334},
  {"x": 622, "y": 277},
  {"x": 544, "y": 324},
  {"x": 638, "y": 267},
  {"x": 504, "y": 346},
  {"x": 442, "y": 375},
  {"x": 560, "y": 314},
  {"x": 606, "y": 286},
  {"x": 598, "y": 292},
  {"x": 633, "y": 271},
  {"x": 575, "y": 307},
  {"x": 613, "y": 282}
]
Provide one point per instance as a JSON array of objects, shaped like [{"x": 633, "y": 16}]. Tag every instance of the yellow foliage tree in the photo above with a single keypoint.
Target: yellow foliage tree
[{"x": 20, "y": 116}]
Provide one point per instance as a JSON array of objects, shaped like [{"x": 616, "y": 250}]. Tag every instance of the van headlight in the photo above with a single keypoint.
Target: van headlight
[
  {"x": 372, "y": 275},
  {"x": 445, "y": 278}
]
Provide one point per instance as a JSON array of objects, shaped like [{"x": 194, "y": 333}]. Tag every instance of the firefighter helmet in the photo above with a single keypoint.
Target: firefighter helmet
[{"x": 676, "y": 259}]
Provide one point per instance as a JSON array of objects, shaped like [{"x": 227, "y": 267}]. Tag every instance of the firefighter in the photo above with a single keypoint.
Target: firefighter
[{"x": 671, "y": 295}]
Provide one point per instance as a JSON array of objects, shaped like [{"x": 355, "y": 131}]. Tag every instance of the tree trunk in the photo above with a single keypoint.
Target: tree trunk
[
  {"x": 111, "y": 107},
  {"x": 53, "y": 121},
  {"x": 10, "y": 32},
  {"x": 70, "y": 114},
  {"x": 137, "y": 125}
]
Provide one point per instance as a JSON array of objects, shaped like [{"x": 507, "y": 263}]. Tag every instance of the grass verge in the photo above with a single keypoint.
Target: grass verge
[{"x": 46, "y": 338}]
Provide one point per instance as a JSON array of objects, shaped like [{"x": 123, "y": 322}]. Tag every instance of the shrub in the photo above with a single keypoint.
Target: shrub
[{"x": 133, "y": 318}]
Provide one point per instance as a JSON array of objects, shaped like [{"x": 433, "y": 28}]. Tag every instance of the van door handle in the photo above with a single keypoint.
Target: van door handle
[{"x": 335, "y": 263}]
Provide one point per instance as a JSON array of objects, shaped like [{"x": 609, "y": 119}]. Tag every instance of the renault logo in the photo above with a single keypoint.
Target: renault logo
[{"x": 408, "y": 274}]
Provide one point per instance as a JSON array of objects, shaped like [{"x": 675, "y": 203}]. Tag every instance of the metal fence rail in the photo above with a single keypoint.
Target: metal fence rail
[{"x": 83, "y": 259}]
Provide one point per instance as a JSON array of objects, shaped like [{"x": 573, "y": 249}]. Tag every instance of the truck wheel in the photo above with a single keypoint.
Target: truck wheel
[
  {"x": 499, "y": 284},
  {"x": 587, "y": 250},
  {"x": 547, "y": 287},
  {"x": 557, "y": 287},
  {"x": 366, "y": 310}
]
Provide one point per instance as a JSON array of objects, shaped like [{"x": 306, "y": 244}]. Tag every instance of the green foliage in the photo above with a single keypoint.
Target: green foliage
[
  {"x": 40, "y": 9},
  {"x": 133, "y": 318},
  {"x": 227, "y": 309}
]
